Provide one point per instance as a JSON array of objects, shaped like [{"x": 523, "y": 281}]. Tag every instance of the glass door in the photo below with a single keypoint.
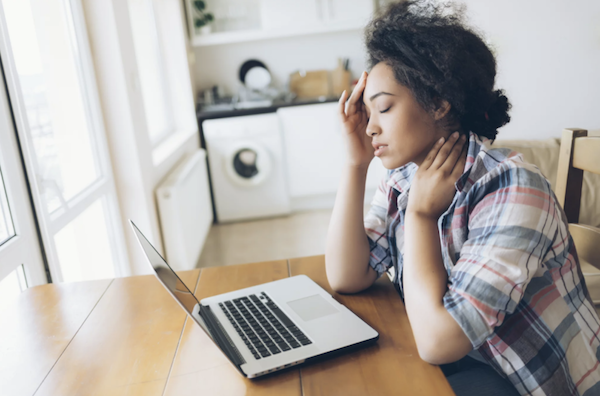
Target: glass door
[
  {"x": 51, "y": 83},
  {"x": 21, "y": 263}
]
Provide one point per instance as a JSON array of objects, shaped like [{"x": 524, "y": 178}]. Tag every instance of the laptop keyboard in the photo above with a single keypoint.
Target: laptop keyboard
[{"x": 263, "y": 327}]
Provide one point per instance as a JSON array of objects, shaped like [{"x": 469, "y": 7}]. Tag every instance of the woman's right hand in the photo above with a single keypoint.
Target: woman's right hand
[{"x": 354, "y": 122}]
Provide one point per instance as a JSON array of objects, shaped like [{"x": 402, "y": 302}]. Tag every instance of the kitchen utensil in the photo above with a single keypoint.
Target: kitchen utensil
[
  {"x": 258, "y": 78},
  {"x": 340, "y": 78},
  {"x": 249, "y": 65},
  {"x": 310, "y": 84}
]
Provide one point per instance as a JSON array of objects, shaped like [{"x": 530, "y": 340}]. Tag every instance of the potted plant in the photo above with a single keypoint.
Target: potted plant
[{"x": 201, "y": 17}]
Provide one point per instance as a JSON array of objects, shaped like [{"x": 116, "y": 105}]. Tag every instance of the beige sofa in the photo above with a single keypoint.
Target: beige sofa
[{"x": 544, "y": 154}]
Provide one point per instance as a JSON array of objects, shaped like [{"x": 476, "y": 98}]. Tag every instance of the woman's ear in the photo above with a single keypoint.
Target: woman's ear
[{"x": 443, "y": 107}]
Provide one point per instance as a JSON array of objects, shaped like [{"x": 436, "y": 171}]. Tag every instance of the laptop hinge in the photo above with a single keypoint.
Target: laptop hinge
[{"x": 220, "y": 336}]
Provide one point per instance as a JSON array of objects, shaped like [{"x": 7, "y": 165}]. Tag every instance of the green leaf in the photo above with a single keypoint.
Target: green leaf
[
  {"x": 200, "y": 5},
  {"x": 209, "y": 17}
]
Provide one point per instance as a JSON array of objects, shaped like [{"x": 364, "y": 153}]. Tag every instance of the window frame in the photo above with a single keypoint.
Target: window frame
[
  {"x": 23, "y": 248},
  {"x": 104, "y": 186}
]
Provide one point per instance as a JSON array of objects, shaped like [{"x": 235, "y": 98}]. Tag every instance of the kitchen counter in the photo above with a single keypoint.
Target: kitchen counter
[{"x": 202, "y": 115}]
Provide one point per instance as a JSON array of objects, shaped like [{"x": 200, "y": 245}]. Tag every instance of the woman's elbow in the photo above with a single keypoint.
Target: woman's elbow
[
  {"x": 341, "y": 287},
  {"x": 342, "y": 279},
  {"x": 347, "y": 285},
  {"x": 432, "y": 356},
  {"x": 443, "y": 352}
]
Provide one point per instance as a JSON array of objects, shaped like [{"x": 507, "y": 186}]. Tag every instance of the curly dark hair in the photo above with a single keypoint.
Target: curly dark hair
[{"x": 434, "y": 54}]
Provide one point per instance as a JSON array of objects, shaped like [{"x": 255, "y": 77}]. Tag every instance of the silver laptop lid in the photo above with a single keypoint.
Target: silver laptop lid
[{"x": 170, "y": 280}]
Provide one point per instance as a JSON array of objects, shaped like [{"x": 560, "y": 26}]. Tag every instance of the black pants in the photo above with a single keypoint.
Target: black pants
[{"x": 468, "y": 377}]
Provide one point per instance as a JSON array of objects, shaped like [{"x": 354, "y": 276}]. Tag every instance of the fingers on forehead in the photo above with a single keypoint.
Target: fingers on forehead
[
  {"x": 356, "y": 95},
  {"x": 342, "y": 103}
]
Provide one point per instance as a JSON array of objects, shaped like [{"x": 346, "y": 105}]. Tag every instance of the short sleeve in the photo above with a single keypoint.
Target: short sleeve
[
  {"x": 376, "y": 228},
  {"x": 511, "y": 228}
]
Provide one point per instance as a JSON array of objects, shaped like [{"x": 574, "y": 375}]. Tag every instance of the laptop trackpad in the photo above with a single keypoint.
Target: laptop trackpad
[{"x": 313, "y": 307}]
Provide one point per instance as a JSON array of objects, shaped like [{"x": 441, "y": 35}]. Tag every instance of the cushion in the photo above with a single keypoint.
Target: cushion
[{"x": 544, "y": 154}]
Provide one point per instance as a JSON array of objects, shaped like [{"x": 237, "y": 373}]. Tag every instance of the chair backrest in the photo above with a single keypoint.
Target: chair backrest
[{"x": 578, "y": 153}]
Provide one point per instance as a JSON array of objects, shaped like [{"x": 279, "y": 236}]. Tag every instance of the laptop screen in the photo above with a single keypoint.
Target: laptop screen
[{"x": 169, "y": 278}]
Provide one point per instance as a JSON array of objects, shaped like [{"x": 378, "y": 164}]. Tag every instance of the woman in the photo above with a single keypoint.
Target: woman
[{"x": 473, "y": 237}]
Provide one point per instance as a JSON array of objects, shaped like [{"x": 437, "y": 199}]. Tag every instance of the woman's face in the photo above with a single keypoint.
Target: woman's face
[{"x": 402, "y": 131}]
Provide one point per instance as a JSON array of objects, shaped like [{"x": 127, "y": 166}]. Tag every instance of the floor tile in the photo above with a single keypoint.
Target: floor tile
[{"x": 295, "y": 235}]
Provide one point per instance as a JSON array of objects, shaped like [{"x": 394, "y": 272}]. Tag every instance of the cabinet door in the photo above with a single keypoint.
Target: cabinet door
[
  {"x": 314, "y": 148},
  {"x": 347, "y": 11},
  {"x": 285, "y": 14},
  {"x": 315, "y": 151}
]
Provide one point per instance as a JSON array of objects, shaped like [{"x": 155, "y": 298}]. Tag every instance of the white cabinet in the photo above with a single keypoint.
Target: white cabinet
[
  {"x": 347, "y": 11},
  {"x": 278, "y": 18},
  {"x": 278, "y": 14},
  {"x": 281, "y": 14},
  {"x": 313, "y": 147},
  {"x": 315, "y": 151}
]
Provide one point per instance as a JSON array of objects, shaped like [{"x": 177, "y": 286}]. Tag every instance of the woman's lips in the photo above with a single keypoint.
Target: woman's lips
[{"x": 379, "y": 149}]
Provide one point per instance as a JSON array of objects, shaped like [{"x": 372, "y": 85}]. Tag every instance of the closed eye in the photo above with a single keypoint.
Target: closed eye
[{"x": 383, "y": 111}]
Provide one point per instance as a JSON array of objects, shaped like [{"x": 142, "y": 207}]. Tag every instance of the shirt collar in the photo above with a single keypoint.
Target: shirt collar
[
  {"x": 401, "y": 178},
  {"x": 476, "y": 146}
]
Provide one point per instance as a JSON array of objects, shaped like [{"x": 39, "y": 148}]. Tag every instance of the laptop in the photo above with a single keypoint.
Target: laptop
[{"x": 269, "y": 327}]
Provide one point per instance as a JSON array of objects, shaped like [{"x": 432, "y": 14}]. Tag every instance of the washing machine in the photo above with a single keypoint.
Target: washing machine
[{"x": 247, "y": 171}]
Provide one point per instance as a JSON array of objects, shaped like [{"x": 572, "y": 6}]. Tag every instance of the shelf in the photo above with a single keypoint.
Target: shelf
[{"x": 257, "y": 35}]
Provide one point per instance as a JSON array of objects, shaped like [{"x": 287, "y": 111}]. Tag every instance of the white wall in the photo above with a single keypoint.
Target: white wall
[
  {"x": 138, "y": 166},
  {"x": 548, "y": 54},
  {"x": 548, "y": 59}
]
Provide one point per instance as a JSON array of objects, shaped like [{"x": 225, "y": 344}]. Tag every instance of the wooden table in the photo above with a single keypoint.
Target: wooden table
[{"x": 127, "y": 336}]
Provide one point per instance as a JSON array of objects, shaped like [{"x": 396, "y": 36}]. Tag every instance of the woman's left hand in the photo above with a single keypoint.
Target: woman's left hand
[{"x": 432, "y": 189}]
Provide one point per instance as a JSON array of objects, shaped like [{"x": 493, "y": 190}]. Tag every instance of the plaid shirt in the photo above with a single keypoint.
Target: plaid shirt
[{"x": 514, "y": 281}]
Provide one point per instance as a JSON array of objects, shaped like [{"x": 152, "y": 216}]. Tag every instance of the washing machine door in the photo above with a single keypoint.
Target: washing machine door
[{"x": 247, "y": 164}]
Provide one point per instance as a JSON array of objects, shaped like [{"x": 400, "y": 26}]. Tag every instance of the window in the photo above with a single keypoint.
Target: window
[
  {"x": 52, "y": 88},
  {"x": 54, "y": 101},
  {"x": 11, "y": 286},
  {"x": 152, "y": 70},
  {"x": 7, "y": 229},
  {"x": 20, "y": 253},
  {"x": 78, "y": 241}
]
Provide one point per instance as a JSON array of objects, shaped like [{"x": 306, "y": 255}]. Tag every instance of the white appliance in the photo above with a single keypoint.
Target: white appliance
[
  {"x": 185, "y": 211},
  {"x": 246, "y": 167}
]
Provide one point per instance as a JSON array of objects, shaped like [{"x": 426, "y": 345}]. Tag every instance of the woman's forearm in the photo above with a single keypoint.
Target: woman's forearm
[
  {"x": 347, "y": 251},
  {"x": 439, "y": 338}
]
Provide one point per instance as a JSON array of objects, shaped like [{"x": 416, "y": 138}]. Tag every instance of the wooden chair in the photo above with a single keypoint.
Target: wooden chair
[{"x": 578, "y": 153}]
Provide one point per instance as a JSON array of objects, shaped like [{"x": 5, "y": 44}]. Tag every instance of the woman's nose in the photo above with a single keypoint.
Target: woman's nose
[{"x": 372, "y": 131}]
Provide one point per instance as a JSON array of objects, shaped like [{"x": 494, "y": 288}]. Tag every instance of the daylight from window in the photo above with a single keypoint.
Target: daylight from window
[
  {"x": 84, "y": 252},
  {"x": 65, "y": 162},
  {"x": 6, "y": 224},
  {"x": 11, "y": 287},
  {"x": 58, "y": 114},
  {"x": 151, "y": 71}
]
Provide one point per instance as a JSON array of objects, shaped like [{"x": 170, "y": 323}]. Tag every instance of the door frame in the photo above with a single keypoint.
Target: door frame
[
  {"x": 104, "y": 187},
  {"x": 25, "y": 246}
]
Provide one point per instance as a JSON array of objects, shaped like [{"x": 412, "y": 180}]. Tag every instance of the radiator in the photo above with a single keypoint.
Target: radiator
[{"x": 185, "y": 211}]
